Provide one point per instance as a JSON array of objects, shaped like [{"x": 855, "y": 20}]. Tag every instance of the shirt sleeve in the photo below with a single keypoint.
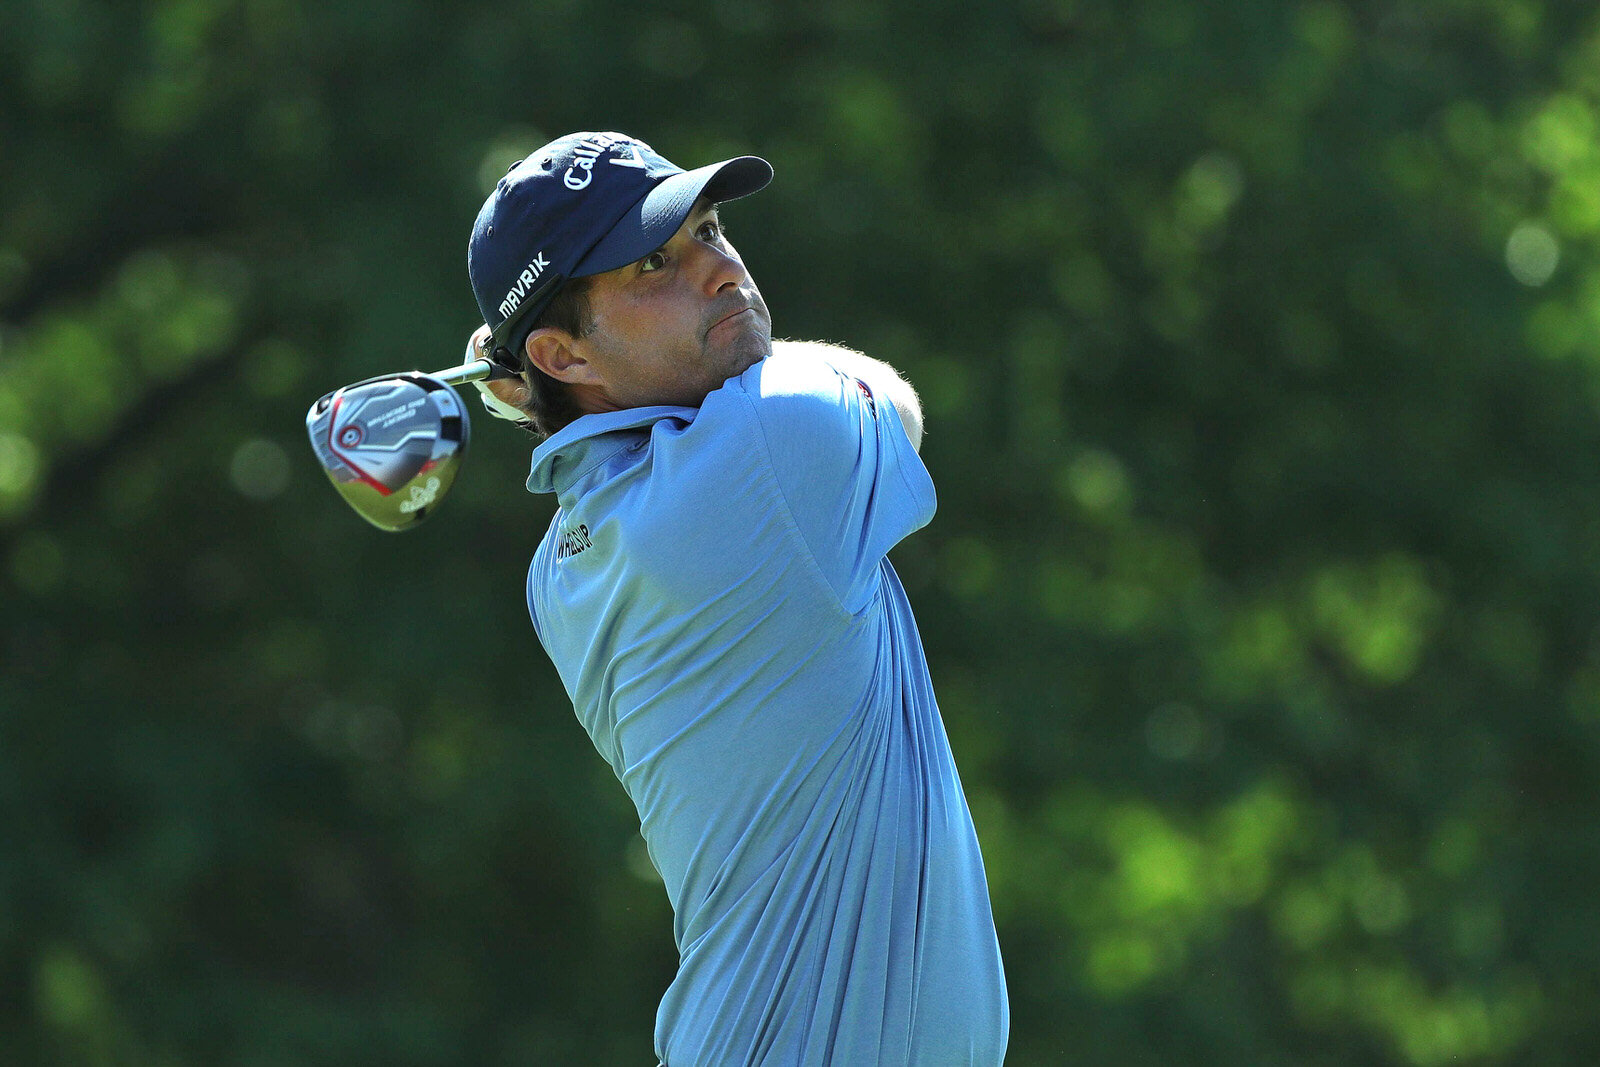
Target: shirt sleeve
[{"x": 853, "y": 484}]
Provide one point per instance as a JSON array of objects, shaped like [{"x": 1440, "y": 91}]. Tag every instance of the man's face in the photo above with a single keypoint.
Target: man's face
[{"x": 678, "y": 323}]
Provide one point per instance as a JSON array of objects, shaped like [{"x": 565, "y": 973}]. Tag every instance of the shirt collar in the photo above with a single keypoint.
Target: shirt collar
[{"x": 589, "y": 440}]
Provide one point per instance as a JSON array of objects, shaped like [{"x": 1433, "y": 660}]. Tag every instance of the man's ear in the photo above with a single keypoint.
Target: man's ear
[{"x": 555, "y": 352}]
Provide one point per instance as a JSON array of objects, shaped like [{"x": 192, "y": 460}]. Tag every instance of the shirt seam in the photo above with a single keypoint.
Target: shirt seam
[{"x": 769, "y": 468}]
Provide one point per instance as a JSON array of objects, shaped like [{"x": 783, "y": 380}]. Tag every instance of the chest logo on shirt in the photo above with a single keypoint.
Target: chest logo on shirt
[{"x": 574, "y": 539}]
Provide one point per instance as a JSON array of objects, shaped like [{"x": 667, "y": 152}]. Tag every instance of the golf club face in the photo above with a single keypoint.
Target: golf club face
[{"x": 391, "y": 445}]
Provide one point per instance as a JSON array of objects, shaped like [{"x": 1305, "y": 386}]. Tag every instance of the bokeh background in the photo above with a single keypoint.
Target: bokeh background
[{"x": 1260, "y": 347}]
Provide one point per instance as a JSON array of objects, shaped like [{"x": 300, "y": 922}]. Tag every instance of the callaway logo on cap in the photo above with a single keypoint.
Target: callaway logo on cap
[{"x": 583, "y": 204}]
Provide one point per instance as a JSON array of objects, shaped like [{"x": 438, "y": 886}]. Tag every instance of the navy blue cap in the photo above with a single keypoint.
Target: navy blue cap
[{"x": 584, "y": 204}]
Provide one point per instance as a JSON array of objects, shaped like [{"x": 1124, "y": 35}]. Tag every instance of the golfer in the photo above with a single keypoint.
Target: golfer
[{"x": 714, "y": 593}]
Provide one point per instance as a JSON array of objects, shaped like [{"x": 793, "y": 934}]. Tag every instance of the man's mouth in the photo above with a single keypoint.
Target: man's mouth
[{"x": 730, "y": 318}]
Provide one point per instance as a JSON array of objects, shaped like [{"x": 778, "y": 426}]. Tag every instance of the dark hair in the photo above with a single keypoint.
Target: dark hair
[{"x": 549, "y": 403}]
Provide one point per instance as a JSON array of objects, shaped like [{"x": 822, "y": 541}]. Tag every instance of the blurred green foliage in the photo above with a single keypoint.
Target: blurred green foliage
[{"x": 1261, "y": 351}]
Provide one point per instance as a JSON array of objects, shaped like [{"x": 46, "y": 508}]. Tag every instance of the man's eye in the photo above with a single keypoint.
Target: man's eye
[
  {"x": 710, "y": 230},
  {"x": 654, "y": 261}
]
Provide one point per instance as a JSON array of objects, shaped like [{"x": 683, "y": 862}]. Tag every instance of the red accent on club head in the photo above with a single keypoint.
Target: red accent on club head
[{"x": 333, "y": 420}]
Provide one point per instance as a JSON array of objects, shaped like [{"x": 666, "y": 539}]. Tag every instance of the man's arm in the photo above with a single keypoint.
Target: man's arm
[{"x": 884, "y": 381}]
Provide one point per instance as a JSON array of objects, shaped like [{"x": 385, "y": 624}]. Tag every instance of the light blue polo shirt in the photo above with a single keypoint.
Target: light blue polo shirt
[{"x": 715, "y": 595}]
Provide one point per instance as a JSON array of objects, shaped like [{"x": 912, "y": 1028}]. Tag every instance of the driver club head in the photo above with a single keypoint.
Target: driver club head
[{"x": 391, "y": 445}]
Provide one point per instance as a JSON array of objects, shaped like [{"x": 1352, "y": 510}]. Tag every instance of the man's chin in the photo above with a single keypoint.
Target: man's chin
[
  {"x": 749, "y": 351},
  {"x": 756, "y": 357}
]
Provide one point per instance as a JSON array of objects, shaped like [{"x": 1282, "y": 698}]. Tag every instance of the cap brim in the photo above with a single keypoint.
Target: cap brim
[{"x": 651, "y": 222}]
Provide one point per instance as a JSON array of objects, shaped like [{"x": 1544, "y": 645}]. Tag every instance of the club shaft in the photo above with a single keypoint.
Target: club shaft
[{"x": 475, "y": 371}]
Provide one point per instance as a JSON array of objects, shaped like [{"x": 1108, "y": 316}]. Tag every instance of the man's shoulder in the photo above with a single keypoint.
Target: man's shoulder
[
  {"x": 795, "y": 391},
  {"x": 794, "y": 369}
]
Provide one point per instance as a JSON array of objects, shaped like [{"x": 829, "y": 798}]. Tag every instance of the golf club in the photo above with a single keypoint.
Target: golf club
[{"x": 391, "y": 444}]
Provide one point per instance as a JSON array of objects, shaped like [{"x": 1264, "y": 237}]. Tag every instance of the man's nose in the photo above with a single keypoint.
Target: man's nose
[{"x": 723, "y": 268}]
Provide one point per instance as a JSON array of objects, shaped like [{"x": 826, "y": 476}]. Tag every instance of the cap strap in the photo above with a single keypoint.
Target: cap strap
[{"x": 501, "y": 336}]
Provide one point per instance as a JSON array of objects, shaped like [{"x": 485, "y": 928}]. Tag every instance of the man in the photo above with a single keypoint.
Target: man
[{"x": 715, "y": 596}]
